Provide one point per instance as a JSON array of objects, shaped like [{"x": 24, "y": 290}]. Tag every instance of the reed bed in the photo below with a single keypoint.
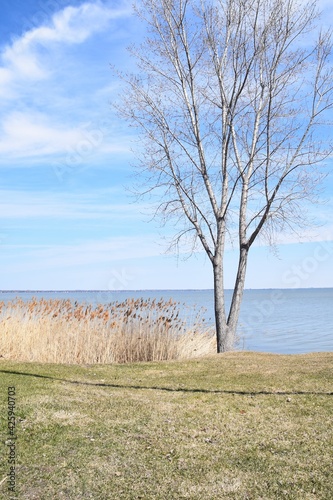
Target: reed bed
[{"x": 62, "y": 331}]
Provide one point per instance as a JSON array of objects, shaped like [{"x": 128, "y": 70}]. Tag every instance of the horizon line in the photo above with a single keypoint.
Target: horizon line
[{"x": 156, "y": 289}]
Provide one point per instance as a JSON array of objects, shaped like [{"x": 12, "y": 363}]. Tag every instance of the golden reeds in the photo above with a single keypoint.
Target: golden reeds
[{"x": 60, "y": 331}]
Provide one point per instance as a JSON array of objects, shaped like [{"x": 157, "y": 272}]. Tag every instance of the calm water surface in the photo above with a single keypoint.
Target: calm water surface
[{"x": 279, "y": 321}]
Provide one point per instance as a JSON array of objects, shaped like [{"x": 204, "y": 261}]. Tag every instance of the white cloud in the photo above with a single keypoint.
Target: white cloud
[
  {"x": 75, "y": 25},
  {"x": 33, "y": 134},
  {"x": 25, "y": 58},
  {"x": 5, "y": 77},
  {"x": 15, "y": 204},
  {"x": 56, "y": 92},
  {"x": 87, "y": 253},
  {"x": 21, "y": 60},
  {"x": 36, "y": 136}
]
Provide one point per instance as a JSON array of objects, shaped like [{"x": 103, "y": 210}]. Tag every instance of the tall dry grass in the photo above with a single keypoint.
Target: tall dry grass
[{"x": 59, "y": 331}]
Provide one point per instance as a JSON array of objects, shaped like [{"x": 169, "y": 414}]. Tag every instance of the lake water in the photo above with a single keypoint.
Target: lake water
[{"x": 286, "y": 321}]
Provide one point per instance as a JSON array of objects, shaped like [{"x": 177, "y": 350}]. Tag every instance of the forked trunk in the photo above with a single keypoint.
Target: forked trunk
[{"x": 226, "y": 328}]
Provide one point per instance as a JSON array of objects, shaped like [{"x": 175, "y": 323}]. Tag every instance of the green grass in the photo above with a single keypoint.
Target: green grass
[{"x": 236, "y": 426}]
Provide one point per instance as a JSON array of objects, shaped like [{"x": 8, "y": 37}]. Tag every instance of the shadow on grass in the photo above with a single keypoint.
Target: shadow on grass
[{"x": 172, "y": 389}]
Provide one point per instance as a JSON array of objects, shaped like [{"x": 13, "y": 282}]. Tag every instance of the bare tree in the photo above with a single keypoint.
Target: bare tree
[{"x": 231, "y": 98}]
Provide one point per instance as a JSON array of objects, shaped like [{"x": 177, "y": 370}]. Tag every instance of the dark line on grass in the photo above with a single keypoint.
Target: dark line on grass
[{"x": 171, "y": 389}]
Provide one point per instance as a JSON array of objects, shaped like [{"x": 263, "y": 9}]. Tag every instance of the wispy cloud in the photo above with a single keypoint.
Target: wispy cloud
[
  {"x": 109, "y": 250},
  {"x": 15, "y": 204},
  {"x": 52, "y": 81},
  {"x": 27, "y": 58},
  {"x": 32, "y": 135}
]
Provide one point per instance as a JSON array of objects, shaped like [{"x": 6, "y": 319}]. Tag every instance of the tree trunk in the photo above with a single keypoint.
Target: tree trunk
[
  {"x": 226, "y": 329},
  {"x": 223, "y": 339}
]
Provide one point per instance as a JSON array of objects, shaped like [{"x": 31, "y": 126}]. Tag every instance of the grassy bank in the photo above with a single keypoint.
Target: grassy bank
[{"x": 236, "y": 426}]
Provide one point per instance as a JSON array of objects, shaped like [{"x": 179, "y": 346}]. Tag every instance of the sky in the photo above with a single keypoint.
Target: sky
[{"x": 68, "y": 220}]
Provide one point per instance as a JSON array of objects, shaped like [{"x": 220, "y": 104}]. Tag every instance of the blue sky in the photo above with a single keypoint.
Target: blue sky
[{"x": 67, "y": 219}]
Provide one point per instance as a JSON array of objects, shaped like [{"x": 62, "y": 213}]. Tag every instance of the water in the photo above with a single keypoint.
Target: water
[{"x": 279, "y": 321}]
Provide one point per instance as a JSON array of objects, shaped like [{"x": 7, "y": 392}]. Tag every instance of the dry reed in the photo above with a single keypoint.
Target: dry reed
[{"x": 59, "y": 331}]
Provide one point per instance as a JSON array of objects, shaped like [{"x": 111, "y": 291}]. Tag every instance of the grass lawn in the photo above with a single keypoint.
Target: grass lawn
[{"x": 238, "y": 426}]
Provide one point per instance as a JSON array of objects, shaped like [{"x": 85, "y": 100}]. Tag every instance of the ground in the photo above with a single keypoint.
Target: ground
[{"x": 238, "y": 426}]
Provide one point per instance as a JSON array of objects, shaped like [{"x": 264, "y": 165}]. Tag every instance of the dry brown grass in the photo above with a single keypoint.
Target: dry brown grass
[{"x": 59, "y": 331}]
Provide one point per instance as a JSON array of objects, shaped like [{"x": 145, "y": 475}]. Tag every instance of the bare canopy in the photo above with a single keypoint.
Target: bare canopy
[{"x": 231, "y": 99}]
